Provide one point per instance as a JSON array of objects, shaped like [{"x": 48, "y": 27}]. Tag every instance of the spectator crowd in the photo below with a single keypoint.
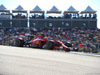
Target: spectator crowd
[{"x": 86, "y": 40}]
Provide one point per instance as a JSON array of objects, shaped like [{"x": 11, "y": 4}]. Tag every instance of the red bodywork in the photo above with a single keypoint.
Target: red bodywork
[
  {"x": 43, "y": 41},
  {"x": 38, "y": 41}
]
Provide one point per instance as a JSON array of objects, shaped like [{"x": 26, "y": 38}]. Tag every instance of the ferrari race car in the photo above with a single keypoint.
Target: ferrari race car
[
  {"x": 49, "y": 44},
  {"x": 43, "y": 43}
]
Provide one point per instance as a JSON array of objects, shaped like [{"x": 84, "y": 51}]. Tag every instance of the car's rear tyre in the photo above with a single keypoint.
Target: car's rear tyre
[
  {"x": 20, "y": 42},
  {"x": 50, "y": 45}
]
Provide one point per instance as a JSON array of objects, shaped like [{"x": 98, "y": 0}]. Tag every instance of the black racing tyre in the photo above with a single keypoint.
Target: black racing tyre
[
  {"x": 50, "y": 45},
  {"x": 20, "y": 42}
]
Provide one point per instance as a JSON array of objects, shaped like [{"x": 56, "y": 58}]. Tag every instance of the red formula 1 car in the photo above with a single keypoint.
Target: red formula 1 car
[
  {"x": 44, "y": 42},
  {"x": 48, "y": 44}
]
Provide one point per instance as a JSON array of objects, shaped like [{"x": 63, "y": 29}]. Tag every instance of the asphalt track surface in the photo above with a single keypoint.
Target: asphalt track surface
[{"x": 29, "y": 61}]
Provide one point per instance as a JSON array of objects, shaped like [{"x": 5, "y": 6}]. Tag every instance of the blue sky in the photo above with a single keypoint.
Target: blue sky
[{"x": 79, "y": 5}]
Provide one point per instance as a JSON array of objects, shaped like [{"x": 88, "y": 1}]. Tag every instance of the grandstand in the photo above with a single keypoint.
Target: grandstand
[{"x": 37, "y": 18}]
